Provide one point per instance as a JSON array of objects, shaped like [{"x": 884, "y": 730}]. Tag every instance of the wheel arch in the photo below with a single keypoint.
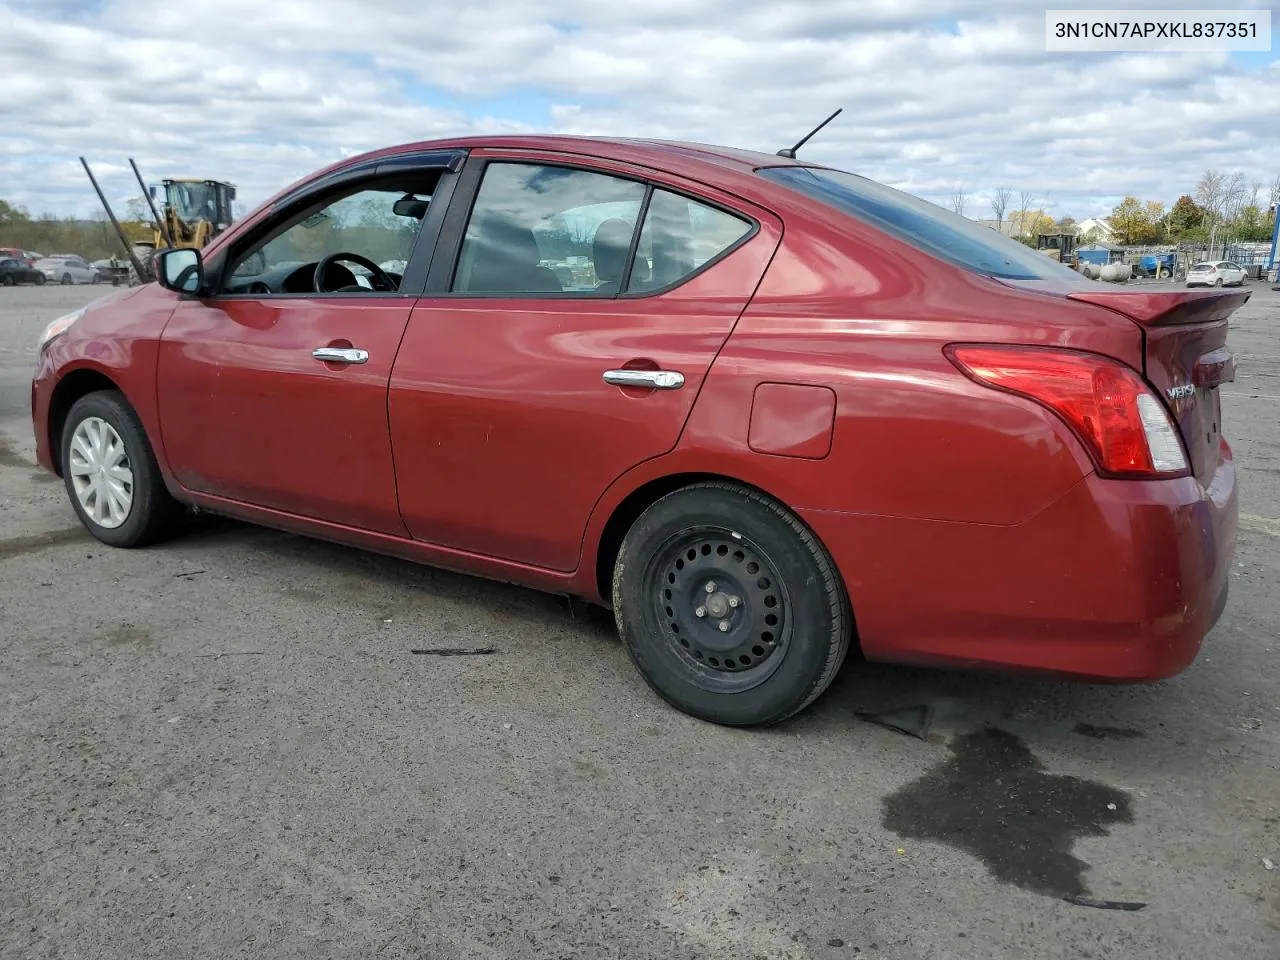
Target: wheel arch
[
  {"x": 76, "y": 384},
  {"x": 630, "y": 507}
]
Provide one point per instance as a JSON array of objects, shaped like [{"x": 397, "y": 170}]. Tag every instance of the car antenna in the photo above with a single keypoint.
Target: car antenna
[{"x": 791, "y": 153}]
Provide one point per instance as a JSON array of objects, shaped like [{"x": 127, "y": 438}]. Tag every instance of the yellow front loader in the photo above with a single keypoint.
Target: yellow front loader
[{"x": 194, "y": 212}]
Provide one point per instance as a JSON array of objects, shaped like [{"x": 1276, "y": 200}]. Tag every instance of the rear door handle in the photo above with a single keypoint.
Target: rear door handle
[
  {"x": 647, "y": 379},
  {"x": 341, "y": 354}
]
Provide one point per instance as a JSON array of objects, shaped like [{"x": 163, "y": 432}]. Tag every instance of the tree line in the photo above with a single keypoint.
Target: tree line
[
  {"x": 1224, "y": 207},
  {"x": 47, "y": 234}
]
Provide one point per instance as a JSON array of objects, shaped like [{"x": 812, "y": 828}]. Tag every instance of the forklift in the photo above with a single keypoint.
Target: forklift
[{"x": 1058, "y": 246}]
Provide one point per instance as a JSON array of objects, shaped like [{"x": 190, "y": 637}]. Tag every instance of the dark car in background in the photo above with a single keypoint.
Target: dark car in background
[{"x": 14, "y": 271}]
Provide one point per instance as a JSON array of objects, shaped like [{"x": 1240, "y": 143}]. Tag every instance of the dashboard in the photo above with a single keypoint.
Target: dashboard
[{"x": 295, "y": 277}]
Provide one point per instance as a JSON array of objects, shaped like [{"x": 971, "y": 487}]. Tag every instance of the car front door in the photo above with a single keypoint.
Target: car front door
[
  {"x": 563, "y": 343},
  {"x": 273, "y": 389}
]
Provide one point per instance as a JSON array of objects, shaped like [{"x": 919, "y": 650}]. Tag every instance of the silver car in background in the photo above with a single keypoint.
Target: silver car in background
[{"x": 67, "y": 269}]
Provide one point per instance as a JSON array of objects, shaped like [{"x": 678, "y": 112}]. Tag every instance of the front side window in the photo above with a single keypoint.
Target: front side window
[
  {"x": 679, "y": 236},
  {"x": 925, "y": 226},
  {"x": 366, "y": 235},
  {"x": 548, "y": 230}
]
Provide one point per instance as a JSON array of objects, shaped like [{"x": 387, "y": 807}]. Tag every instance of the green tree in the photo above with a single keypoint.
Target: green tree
[
  {"x": 1185, "y": 215},
  {"x": 12, "y": 215},
  {"x": 1251, "y": 224}
]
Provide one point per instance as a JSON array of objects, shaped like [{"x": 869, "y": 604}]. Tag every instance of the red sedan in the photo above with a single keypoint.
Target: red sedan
[{"x": 766, "y": 410}]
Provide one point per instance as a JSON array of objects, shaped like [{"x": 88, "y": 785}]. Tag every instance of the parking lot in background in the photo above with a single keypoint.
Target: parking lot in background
[{"x": 224, "y": 747}]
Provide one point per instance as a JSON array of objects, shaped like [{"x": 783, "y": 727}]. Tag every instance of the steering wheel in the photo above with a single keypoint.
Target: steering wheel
[{"x": 379, "y": 275}]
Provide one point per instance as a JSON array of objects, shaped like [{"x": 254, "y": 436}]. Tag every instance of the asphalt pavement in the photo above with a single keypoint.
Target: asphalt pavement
[{"x": 223, "y": 747}]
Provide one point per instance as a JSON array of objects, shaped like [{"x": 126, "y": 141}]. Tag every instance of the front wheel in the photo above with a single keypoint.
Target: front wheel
[
  {"x": 39, "y": 279},
  {"x": 111, "y": 473},
  {"x": 8, "y": 280},
  {"x": 729, "y": 606}
]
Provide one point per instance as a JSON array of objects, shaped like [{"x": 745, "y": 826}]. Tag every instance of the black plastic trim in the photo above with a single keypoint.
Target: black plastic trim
[
  {"x": 449, "y": 243},
  {"x": 449, "y": 160}
]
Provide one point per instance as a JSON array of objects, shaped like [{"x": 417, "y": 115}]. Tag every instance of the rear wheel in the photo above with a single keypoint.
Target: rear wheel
[
  {"x": 39, "y": 279},
  {"x": 66, "y": 280},
  {"x": 729, "y": 606},
  {"x": 1218, "y": 282},
  {"x": 111, "y": 473},
  {"x": 8, "y": 280}
]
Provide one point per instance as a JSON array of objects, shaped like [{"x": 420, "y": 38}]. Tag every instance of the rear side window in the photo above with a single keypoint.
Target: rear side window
[
  {"x": 678, "y": 238},
  {"x": 924, "y": 225},
  {"x": 539, "y": 229}
]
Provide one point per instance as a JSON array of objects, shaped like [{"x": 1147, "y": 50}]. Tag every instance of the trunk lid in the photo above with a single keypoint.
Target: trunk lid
[{"x": 1186, "y": 357}]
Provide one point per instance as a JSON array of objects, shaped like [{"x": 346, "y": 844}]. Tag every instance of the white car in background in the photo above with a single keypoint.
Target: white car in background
[
  {"x": 1216, "y": 273},
  {"x": 68, "y": 269}
]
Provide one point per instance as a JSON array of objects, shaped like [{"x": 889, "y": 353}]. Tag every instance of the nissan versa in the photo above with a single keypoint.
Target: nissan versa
[{"x": 763, "y": 409}]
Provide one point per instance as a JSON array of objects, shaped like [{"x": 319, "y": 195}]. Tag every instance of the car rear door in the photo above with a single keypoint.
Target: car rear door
[{"x": 568, "y": 345}]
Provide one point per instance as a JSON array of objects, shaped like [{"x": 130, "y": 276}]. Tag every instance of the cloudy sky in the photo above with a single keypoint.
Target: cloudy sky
[{"x": 936, "y": 92}]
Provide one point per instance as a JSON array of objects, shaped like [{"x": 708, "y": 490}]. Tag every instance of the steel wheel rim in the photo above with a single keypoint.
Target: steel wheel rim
[
  {"x": 755, "y": 642},
  {"x": 101, "y": 474}
]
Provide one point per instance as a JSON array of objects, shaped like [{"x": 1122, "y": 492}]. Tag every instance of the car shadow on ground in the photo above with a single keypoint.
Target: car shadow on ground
[{"x": 1049, "y": 709}]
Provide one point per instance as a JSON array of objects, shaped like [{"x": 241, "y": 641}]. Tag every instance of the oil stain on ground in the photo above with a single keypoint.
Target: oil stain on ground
[
  {"x": 8, "y": 458},
  {"x": 126, "y": 634},
  {"x": 20, "y": 546},
  {"x": 1107, "y": 733},
  {"x": 994, "y": 800}
]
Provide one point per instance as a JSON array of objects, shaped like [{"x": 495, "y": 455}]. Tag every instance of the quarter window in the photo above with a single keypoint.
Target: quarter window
[
  {"x": 679, "y": 236},
  {"x": 548, "y": 230}
]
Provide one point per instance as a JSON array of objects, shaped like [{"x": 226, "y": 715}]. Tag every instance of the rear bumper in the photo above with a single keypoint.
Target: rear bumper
[{"x": 1116, "y": 581}]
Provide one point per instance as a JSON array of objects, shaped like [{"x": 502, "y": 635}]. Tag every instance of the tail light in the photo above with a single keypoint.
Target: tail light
[{"x": 1120, "y": 420}]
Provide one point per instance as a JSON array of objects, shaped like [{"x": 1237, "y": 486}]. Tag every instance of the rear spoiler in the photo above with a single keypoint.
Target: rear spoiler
[{"x": 1168, "y": 308}]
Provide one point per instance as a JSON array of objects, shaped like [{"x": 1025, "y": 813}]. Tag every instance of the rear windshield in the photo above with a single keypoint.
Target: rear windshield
[
  {"x": 924, "y": 225},
  {"x": 1201, "y": 267}
]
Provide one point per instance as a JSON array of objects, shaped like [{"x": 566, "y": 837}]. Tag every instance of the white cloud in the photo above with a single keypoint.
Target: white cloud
[{"x": 936, "y": 92}]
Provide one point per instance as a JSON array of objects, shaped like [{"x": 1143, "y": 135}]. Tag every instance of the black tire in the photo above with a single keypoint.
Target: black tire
[
  {"x": 1218, "y": 282},
  {"x": 8, "y": 280},
  {"x": 153, "y": 512},
  {"x": 66, "y": 280},
  {"x": 788, "y": 633},
  {"x": 39, "y": 279}
]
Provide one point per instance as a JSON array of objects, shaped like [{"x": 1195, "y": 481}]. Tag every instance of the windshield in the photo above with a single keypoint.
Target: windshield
[
  {"x": 193, "y": 201},
  {"x": 924, "y": 225}
]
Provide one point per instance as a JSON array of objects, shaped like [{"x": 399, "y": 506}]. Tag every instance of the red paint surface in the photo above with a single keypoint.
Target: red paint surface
[{"x": 969, "y": 525}]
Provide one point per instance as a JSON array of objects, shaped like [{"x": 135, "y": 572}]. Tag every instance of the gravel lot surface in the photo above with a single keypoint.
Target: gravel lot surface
[{"x": 222, "y": 747}]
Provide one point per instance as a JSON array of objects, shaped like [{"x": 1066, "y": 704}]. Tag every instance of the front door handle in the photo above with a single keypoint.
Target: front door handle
[
  {"x": 647, "y": 379},
  {"x": 341, "y": 354}
]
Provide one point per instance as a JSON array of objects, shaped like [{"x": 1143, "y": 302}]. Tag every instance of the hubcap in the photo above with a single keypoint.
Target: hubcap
[
  {"x": 723, "y": 606},
  {"x": 100, "y": 472}
]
